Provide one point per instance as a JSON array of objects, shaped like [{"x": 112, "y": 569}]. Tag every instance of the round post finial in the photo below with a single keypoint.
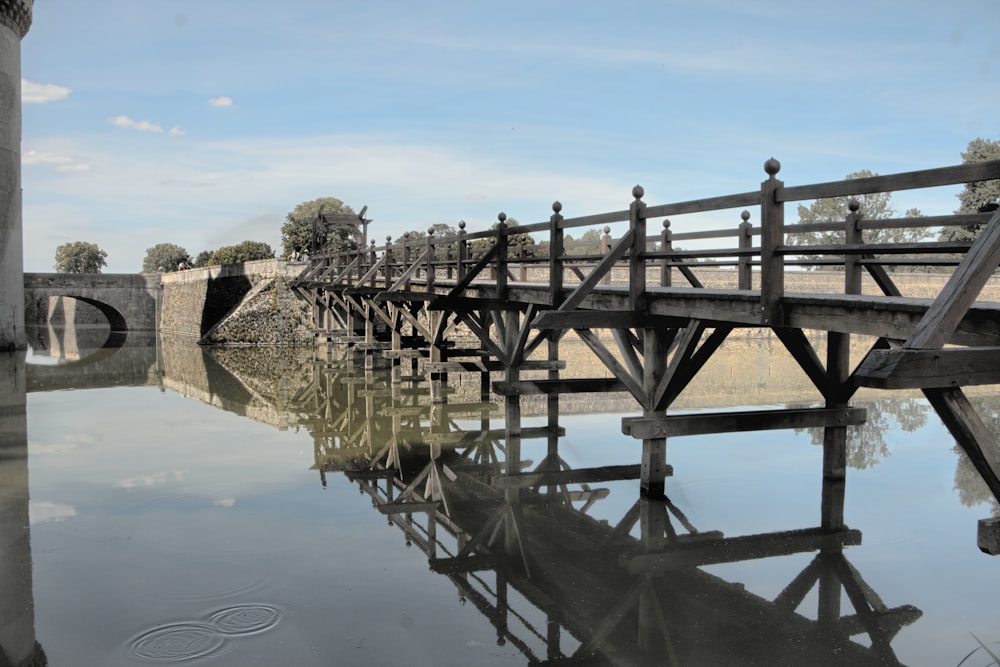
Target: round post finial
[
  {"x": 745, "y": 216},
  {"x": 854, "y": 205},
  {"x": 666, "y": 223},
  {"x": 638, "y": 192},
  {"x": 502, "y": 217},
  {"x": 556, "y": 206},
  {"x": 772, "y": 167},
  {"x": 461, "y": 224}
]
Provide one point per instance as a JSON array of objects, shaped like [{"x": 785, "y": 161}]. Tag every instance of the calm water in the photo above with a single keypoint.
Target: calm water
[{"x": 195, "y": 507}]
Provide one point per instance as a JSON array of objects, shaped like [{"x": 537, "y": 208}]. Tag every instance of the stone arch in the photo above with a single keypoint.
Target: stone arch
[{"x": 115, "y": 317}]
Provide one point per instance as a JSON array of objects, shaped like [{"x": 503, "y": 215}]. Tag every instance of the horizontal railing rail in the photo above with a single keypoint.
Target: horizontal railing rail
[{"x": 761, "y": 251}]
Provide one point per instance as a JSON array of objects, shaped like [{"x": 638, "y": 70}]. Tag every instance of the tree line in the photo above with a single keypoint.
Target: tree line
[{"x": 300, "y": 236}]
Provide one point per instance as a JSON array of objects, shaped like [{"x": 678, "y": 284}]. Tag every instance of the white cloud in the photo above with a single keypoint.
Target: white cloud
[
  {"x": 58, "y": 161},
  {"x": 41, "y": 511},
  {"x": 40, "y": 93},
  {"x": 221, "y": 101},
  {"x": 225, "y": 502},
  {"x": 141, "y": 125},
  {"x": 176, "y": 131}
]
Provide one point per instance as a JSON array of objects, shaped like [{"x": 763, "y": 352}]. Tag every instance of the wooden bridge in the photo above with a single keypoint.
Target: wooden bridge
[{"x": 407, "y": 301}]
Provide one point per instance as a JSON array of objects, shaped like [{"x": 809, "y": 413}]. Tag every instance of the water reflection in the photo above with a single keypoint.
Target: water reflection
[
  {"x": 564, "y": 561},
  {"x": 633, "y": 592}
]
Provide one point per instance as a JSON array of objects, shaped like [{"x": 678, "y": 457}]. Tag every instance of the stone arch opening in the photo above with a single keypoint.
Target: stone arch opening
[{"x": 115, "y": 319}]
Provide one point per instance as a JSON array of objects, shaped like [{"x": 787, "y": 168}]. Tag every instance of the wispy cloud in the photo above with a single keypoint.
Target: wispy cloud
[
  {"x": 140, "y": 125},
  {"x": 40, "y": 93},
  {"x": 58, "y": 161},
  {"x": 176, "y": 131},
  {"x": 221, "y": 101}
]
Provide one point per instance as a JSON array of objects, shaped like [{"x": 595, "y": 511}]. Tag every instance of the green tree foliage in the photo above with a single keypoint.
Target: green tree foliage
[
  {"x": 164, "y": 257},
  {"x": 441, "y": 230},
  {"x": 874, "y": 206},
  {"x": 204, "y": 258},
  {"x": 978, "y": 197},
  {"x": 514, "y": 241},
  {"x": 247, "y": 251},
  {"x": 80, "y": 257},
  {"x": 297, "y": 232},
  {"x": 592, "y": 238}
]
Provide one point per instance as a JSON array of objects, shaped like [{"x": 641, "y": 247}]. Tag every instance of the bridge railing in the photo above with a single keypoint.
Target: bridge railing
[{"x": 760, "y": 252}]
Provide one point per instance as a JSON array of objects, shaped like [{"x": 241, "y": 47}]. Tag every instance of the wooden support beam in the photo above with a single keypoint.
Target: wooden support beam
[
  {"x": 619, "y": 250},
  {"x": 603, "y": 319},
  {"x": 463, "y": 564},
  {"x": 969, "y": 431},
  {"x": 460, "y": 438},
  {"x": 568, "y": 386},
  {"x": 408, "y": 507},
  {"x": 745, "y": 547},
  {"x": 670, "y": 426},
  {"x": 961, "y": 290},
  {"x": 560, "y": 477},
  {"x": 919, "y": 369},
  {"x": 459, "y": 304},
  {"x": 632, "y": 383}
]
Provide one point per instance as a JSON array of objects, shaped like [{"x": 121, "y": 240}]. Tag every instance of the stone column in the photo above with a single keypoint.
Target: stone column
[
  {"x": 15, "y": 19},
  {"x": 17, "y": 609}
]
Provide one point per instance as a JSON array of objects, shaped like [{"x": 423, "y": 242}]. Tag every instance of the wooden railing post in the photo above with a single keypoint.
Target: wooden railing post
[
  {"x": 429, "y": 277},
  {"x": 666, "y": 245},
  {"x": 371, "y": 260},
  {"x": 745, "y": 272},
  {"x": 387, "y": 271},
  {"x": 449, "y": 267},
  {"x": 852, "y": 235},
  {"x": 502, "y": 247},
  {"x": 463, "y": 251},
  {"x": 406, "y": 259},
  {"x": 605, "y": 247},
  {"x": 636, "y": 263},
  {"x": 557, "y": 242},
  {"x": 522, "y": 267},
  {"x": 772, "y": 237}
]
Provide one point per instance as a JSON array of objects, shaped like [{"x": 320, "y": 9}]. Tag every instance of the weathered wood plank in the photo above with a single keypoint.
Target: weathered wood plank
[
  {"x": 670, "y": 426},
  {"x": 459, "y": 438},
  {"x": 567, "y": 386},
  {"x": 559, "y": 477},
  {"x": 599, "y": 319},
  {"x": 408, "y": 507},
  {"x": 745, "y": 547},
  {"x": 925, "y": 178},
  {"x": 918, "y": 369}
]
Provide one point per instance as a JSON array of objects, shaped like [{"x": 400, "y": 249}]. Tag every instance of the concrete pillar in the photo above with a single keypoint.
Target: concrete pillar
[{"x": 15, "y": 19}]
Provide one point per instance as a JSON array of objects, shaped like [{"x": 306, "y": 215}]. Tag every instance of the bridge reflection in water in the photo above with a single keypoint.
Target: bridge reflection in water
[
  {"x": 454, "y": 479},
  {"x": 531, "y": 542}
]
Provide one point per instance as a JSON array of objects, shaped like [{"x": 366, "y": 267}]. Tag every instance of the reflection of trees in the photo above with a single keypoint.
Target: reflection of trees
[
  {"x": 972, "y": 490},
  {"x": 866, "y": 444}
]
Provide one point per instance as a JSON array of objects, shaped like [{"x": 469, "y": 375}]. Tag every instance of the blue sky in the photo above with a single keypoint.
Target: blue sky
[{"x": 202, "y": 123}]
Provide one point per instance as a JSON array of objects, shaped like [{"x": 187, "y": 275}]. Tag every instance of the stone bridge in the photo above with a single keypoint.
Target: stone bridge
[{"x": 127, "y": 300}]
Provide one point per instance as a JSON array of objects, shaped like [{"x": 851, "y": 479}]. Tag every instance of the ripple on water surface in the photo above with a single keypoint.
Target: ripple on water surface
[
  {"x": 178, "y": 642},
  {"x": 245, "y": 619}
]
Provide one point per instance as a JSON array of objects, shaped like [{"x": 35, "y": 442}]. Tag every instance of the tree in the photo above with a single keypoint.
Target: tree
[
  {"x": 980, "y": 197},
  {"x": 80, "y": 257},
  {"x": 204, "y": 258},
  {"x": 297, "y": 232},
  {"x": 441, "y": 230},
  {"x": 164, "y": 257},
  {"x": 514, "y": 240},
  {"x": 247, "y": 251},
  {"x": 874, "y": 206},
  {"x": 592, "y": 237}
]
